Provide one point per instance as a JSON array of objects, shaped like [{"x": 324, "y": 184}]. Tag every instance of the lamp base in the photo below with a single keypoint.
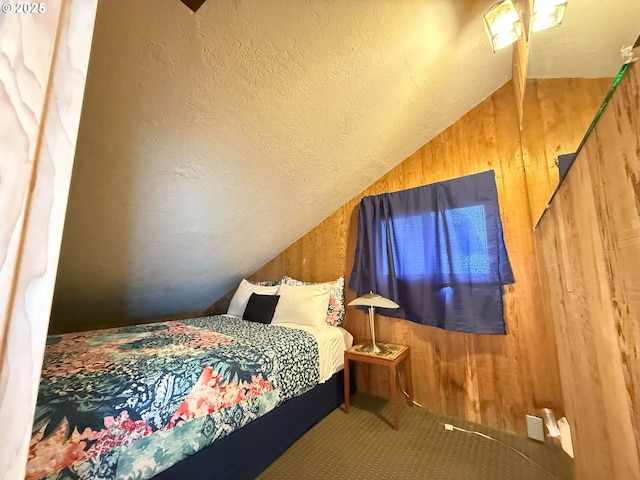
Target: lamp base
[{"x": 373, "y": 348}]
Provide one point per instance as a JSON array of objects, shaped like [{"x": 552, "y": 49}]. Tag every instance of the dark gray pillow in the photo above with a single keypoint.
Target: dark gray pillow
[{"x": 260, "y": 308}]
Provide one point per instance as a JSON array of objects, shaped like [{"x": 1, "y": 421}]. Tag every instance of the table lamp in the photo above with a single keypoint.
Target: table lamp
[{"x": 373, "y": 300}]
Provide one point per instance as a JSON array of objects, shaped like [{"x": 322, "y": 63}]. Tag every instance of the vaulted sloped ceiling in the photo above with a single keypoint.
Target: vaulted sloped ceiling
[{"x": 210, "y": 141}]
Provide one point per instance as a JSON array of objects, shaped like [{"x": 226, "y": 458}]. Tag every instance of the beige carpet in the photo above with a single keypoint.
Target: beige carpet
[{"x": 362, "y": 444}]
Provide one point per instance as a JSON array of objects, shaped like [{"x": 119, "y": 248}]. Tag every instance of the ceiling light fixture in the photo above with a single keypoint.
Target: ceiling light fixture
[
  {"x": 502, "y": 24},
  {"x": 547, "y": 14}
]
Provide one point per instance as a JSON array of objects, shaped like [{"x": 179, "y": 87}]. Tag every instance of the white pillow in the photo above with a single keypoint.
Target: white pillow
[
  {"x": 243, "y": 292},
  {"x": 302, "y": 305}
]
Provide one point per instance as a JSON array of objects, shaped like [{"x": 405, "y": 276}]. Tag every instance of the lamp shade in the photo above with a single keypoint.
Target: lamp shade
[{"x": 374, "y": 300}]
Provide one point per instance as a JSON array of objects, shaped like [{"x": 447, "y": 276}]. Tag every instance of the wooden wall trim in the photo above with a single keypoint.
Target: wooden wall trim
[
  {"x": 589, "y": 246},
  {"x": 519, "y": 75},
  {"x": 520, "y": 56},
  {"x": 39, "y": 129}
]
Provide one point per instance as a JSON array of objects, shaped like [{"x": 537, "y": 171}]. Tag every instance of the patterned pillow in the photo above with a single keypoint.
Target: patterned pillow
[{"x": 335, "y": 312}]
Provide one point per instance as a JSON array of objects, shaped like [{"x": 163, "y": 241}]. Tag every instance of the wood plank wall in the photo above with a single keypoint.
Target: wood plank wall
[
  {"x": 588, "y": 246},
  {"x": 494, "y": 380},
  {"x": 558, "y": 114},
  {"x": 46, "y": 56}
]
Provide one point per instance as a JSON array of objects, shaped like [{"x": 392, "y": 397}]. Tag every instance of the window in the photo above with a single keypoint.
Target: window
[
  {"x": 465, "y": 234},
  {"x": 438, "y": 251}
]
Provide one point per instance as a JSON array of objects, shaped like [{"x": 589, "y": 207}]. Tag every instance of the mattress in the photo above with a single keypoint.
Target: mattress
[{"x": 130, "y": 402}]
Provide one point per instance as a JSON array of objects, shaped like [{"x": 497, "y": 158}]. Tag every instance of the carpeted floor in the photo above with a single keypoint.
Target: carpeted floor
[{"x": 362, "y": 444}]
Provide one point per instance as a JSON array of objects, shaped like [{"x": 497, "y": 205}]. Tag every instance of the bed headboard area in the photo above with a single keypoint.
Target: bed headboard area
[{"x": 235, "y": 301}]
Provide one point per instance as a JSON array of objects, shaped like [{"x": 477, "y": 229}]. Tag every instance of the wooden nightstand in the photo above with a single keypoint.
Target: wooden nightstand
[{"x": 391, "y": 359}]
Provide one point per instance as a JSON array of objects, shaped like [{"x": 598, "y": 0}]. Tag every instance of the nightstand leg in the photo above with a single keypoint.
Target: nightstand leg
[
  {"x": 394, "y": 395},
  {"x": 346, "y": 386}
]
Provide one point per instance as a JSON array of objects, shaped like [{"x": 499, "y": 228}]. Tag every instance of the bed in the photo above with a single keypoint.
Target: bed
[{"x": 205, "y": 396}]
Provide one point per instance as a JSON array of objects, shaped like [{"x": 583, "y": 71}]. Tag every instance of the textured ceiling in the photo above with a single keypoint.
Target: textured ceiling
[{"x": 209, "y": 142}]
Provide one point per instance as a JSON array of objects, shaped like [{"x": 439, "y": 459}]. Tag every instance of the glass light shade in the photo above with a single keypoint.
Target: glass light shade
[
  {"x": 547, "y": 14},
  {"x": 374, "y": 300},
  {"x": 502, "y": 24}
]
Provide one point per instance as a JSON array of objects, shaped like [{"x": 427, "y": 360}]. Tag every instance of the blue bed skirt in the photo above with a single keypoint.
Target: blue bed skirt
[{"x": 248, "y": 451}]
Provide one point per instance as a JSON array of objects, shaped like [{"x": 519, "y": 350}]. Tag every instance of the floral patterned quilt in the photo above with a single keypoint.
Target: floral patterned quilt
[{"x": 127, "y": 403}]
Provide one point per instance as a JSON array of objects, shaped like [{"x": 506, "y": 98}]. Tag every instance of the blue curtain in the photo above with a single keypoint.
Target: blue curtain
[{"x": 437, "y": 251}]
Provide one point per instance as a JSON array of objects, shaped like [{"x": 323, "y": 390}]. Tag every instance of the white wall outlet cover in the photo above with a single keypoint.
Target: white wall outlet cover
[
  {"x": 565, "y": 436},
  {"x": 535, "y": 428}
]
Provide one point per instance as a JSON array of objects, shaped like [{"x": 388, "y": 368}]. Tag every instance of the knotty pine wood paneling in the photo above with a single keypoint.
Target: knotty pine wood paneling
[
  {"x": 588, "y": 245},
  {"x": 39, "y": 123},
  {"x": 557, "y": 114},
  {"x": 494, "y": 380}
]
